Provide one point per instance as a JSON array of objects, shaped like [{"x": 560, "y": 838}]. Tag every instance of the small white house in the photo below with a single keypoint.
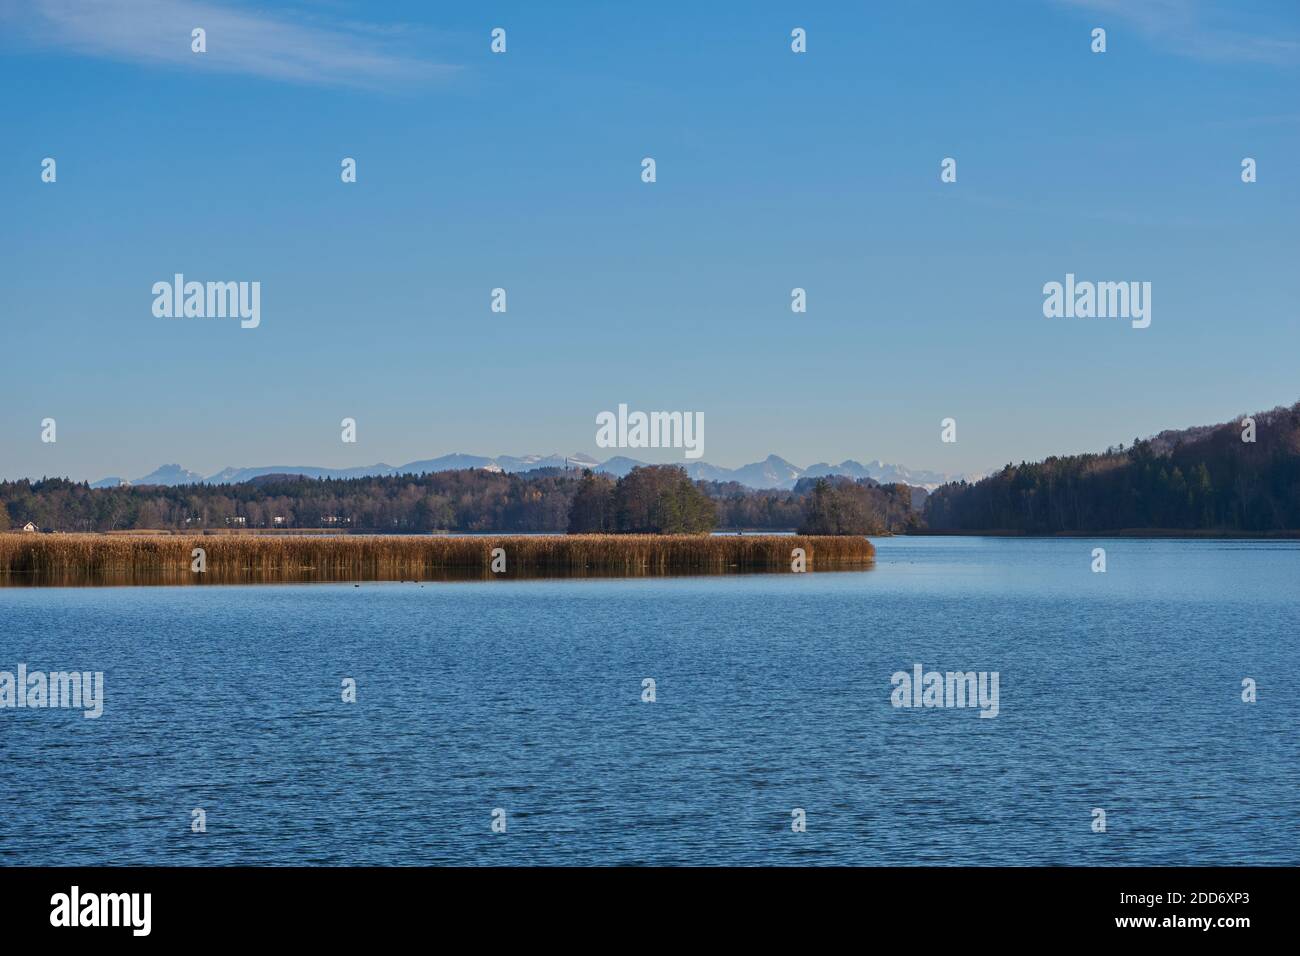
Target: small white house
[{"x": 29, "y": 528}]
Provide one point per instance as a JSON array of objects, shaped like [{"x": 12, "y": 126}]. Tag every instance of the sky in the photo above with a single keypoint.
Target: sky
[{"x": 523, "y": 171}]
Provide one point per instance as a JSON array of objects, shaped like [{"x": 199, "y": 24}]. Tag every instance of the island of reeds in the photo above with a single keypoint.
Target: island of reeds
[{"x": 89, "y": 559}]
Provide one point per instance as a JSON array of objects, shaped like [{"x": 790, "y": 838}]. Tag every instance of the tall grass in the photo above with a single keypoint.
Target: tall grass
[{"x": 128, "y": 559}]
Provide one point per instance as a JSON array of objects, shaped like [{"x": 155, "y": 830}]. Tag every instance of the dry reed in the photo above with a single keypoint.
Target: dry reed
[{"x": 96, "y": 558}]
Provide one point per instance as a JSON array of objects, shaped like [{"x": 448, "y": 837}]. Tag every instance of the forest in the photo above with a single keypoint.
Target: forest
[
  {"x": 1237, "y": 477},
  {"x": 655, "y": 499}
]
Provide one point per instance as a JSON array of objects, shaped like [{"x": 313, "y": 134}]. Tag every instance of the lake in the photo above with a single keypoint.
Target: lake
[{"x": 1119, "y": 692}]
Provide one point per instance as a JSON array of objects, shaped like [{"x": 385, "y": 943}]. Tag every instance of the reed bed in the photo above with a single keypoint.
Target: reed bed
[{"x": 128, "y": 559}]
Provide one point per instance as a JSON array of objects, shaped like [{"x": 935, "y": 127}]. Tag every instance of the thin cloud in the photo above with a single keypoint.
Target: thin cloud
[
  {"x": 1205, "y": 30},
  {"x": 284, "y": 48}
]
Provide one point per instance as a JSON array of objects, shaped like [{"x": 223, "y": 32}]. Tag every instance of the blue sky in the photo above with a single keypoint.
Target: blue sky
[{"x": 522, "y": 171}]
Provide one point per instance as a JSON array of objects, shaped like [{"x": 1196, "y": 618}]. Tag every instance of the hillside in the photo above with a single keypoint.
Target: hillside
[{"x": 1202, "y": 479}]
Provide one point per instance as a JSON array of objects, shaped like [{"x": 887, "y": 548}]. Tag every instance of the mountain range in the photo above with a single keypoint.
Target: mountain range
[{"x": 772, "y": 472}]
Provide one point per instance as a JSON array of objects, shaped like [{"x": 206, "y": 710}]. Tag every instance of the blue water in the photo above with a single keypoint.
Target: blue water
[{"x": 1119, "y": 691}]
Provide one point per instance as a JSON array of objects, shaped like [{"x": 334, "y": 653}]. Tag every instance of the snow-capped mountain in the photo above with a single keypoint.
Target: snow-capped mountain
[
  {"x": 773, "y": 472},
  {"x": 163, "y": 475},
  {"x": 883, "y": 473},
  {"x": 555, "y": 460}
]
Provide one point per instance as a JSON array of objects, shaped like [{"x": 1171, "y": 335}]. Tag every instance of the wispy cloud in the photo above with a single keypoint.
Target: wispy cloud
[
  {"x": 285, "y": 47},
  {"x": 1231, "y": 32}
]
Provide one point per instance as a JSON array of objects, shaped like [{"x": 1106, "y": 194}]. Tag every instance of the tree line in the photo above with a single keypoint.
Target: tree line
[
  {"x": 656, "y": 498},
  {"x": 1241, "y": 477}
]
